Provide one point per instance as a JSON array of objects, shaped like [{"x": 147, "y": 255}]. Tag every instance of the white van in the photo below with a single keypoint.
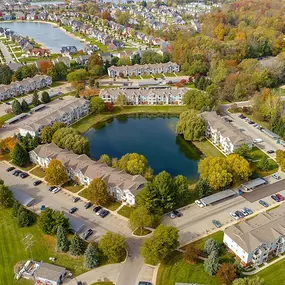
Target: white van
[{"x": 258, "y": 140}]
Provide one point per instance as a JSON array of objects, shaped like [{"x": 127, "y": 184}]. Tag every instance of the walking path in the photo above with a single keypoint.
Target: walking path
[{"x": 8, "y": 57}]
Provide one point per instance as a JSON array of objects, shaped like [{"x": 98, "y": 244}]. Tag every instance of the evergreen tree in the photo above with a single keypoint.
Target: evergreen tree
[
  {"x": 20, "y": 155},
  {"x": 16, "y": 107},
  {"x": 6, "y": 196},
  {"x": 211, "y": 245},
  {"x": 35, "y": 100},
  {"x": 25, "y": 106},
  {"x": 211, "y": 264},
  {"x": 91, "y": 257},
  {"x": 77, "y": 246},
  {"x": 25, "y": 218},
  {"x": 15, "y": 208},
  {"x": 45, "y": 97},
  {"x": 62, "y": 242}
]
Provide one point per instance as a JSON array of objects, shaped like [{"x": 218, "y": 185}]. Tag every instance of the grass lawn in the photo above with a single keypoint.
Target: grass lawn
[
  {"x": 84, "y": 124},
  {"x": 27, "y": 167},
  {"x": 57, "y": 83},
  {"x": 103, "y": 283},
  {"x": 38, "y": 171},
  {"x": 72, "y": 186},
  {"x": 208, "y": 149},
  {"x": 175, "y": 269},
  {"x": 125, "y": 211},
  {"x": 274, "y": 274},
  {"x": 141, "y": 232},
  {"x": 6, "y": 117},
  {"x": 12, "y": 249}
]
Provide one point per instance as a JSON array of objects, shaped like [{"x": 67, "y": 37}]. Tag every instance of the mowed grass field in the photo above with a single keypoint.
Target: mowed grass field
[{"x": 12, "y": 249}]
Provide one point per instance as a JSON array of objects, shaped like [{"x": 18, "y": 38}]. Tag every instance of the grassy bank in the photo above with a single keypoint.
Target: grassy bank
[
  {"x": 90, "y": 120},
  {"x": 208, "y": 149}
]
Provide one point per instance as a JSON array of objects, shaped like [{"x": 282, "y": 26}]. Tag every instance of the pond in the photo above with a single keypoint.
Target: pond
[
  {"x": 154, "y": 138},
  {"x": 50, "y": 36}
]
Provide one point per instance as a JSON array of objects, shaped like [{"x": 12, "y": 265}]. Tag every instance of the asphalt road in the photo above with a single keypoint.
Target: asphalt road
[
  {"x": 8, "y": 57},
  {"x": 264, "y": 191}
]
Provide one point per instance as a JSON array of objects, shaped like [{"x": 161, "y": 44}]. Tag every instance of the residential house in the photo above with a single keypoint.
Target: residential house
[
  {"x": 223, "y": 134},
  {"x": 68, "y": 51},
  {"x": 90, "y": 49},
  {"x": 64, "y": 59},
  {"x": 82, "y": 59},
  {"x": 146, "y": 69},
  {"x": 14, "y": 65},
  {"x": 121, "y": 185},
  {"x": 257, "y": 240},
  {"x": 167, "y": 96},
  {"x": 38, "y": 52},
  {"x": 106, "y": 56},
  {"x": 69, "y": 111}
]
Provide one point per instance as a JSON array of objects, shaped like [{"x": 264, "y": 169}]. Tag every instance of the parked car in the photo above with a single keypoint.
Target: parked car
[
  {"x": 79, "y": 283},
  {"x": 73, "y": 210},
  {"x": 239, "y": 214},
  {"x": 171, "y": 215},
  {"x": 42, "y": 207},
  {"x": 104, "y": 213},
  {"x": 75, "y": 199},
  {"x": 241, "y": 116},
  {"x": 249, "y": 211},
  {"x": 216, "y": 223},
  {"x": 263, "y": 203},
  {"x": 144, "y": 283},
  {"x": 10, "y": 168},
  {"x": 270, "y": 151},
  {"x": 51, "y": 188},
  {"x": 87, "y": 234},
  {"x": 87, "y": 205},
  {"x": 177, "y": 213},
  {"x": 37, "y": 182},
  {"x": 56, "y": 190},
  {"x": 276, "y": 176},
  {"x": 24, "y": 175},
  {"x": 97, "y": 209},
  {"x": 234, "y": 215},
  {"x": 275, "y": 198},
  {"x": 280, "y": 197},
  {"x": 17, "y": 172},
  {"x": 200, "y": 203},
  {"x": 245, "y": 213}
]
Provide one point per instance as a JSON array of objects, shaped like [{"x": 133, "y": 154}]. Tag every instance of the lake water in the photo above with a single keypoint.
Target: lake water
[
  {"x": 154, "y": 138},
  {"x": 47, "y": 3},
  {"x": 48, "y": 35}
]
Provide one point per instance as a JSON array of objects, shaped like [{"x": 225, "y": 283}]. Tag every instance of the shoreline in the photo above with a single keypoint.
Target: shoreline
[{"x": 46, "y": 22}]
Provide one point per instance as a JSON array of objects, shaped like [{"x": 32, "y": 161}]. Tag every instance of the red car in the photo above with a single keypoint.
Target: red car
[{"x": 280, "y": 197}]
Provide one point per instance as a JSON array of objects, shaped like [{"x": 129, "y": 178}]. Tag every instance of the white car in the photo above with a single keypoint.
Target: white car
[
  {"x": 233, "y": 215},
  {"x": 56, "y": 190},
  {"x": 276, "y": 176},
  {"x": 244, "y": 212},
  {"x": 200, "y": 203}
]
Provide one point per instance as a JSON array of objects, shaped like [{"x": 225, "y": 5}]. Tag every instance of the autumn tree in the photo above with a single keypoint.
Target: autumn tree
[
  {"x": 121, "y": 100},
  {"x": 97, "y": 192},
  {"x": 104, "y": 158},
  {"x": 240, "y": 167},
  {"x": 133, "y": 163},
  {"x": 227, "y": 273},
  {"x": 44, "y": 66},
  {"x": 95, "y": 65},
  {"x": 55, "y": 173},
  {"x": 191, "y": 126},
  {"x": 192, "y": 254}
]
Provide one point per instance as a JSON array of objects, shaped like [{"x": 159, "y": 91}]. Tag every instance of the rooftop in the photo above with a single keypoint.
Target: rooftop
[{"x": 49, "y": 271}]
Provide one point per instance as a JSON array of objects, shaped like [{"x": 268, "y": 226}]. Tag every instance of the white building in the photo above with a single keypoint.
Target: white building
[
  {"x": 257, "y": 240},
  {"x": 70, "y": 110},
  {"x": 224, "y": 134},
  {"x": 122, "y": 185},
  {"x": 167, "y": 96}
]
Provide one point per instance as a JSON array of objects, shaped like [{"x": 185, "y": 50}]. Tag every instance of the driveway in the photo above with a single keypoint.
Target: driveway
[{"x": 8, "y": 57}]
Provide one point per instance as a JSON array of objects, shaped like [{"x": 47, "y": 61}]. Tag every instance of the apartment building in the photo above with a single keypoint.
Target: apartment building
[
  {"x": 25, "y": 86},
  {"x": 121, "y": 185},
  {"x": 146, "y": 69},
  {"x": 259, "y": 239},
  {"x": 223, "y": 133},
  {"x": 69, "y": 110},
  {"x": 167, "y": 96}
]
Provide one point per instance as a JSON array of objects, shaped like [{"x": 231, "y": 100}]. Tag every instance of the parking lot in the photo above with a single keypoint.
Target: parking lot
[{"x": 62, "y": 201}]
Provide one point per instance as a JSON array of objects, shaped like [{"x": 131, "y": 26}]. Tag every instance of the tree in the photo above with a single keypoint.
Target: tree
[
  {"x": 35, "y": 100},
  {"x": 240, "y": 167},
  {"x": 97, "y": 192},
  {"x": 191, "y": 254},
  {"x": 45, "y": 97},
  {"x": 211, "y": 264},
  {"x": 55, "y": 173},
  {"x": 44, "y": 66},
  {"x": 203, "y": 189},
  {"x": 49, "y": 220},
  {"x": 58, "y": 71},
  {"x": 198, "y": 100},
  {"x": 5, "y": 74},
  {"x": 48, "y": 131},
  {"x": 104, "y": 158},
  {"x": 6, "y": 196},
  {"x": 191, "y": 126},
  {"x": 180, "y": 184},
  {"x": 149, "y": 57},
  {"x": 124, "y": 18},
  {"x": 91, "y": 256},
  {"x": 97, "y": 105},
  {"x": 77, "y": 245},
  {"x": 95, "y": 65},
  {"x": 243, "y": 150},
  {"x": 62, "y": 242},
  {"x": 227, "y": 273},
  {"x": 121, "y": 100},
  {"x": 133, "y": 163},
  {"x": 16, "y": 107},
  {"x": 24, "y": 106},
  {"x": 136, "y": 59},
  {"x": 211, "y": 245},
  {"x": 161, "y": 243},
  {"x": 25, "y": 218},
  {"x": 15, "y": 208},
  {"x": 264, "y": 163},
  {"x": 20, "y": 156},
  {"x": 140, "y": 218},
  {"x": 77, "y": 76},
  {"x": 112, "y": 246},
  {"x": 256, "y": 280},
  {"x": 280, "y": 158},
  {"x": 124, "y": 61}
]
